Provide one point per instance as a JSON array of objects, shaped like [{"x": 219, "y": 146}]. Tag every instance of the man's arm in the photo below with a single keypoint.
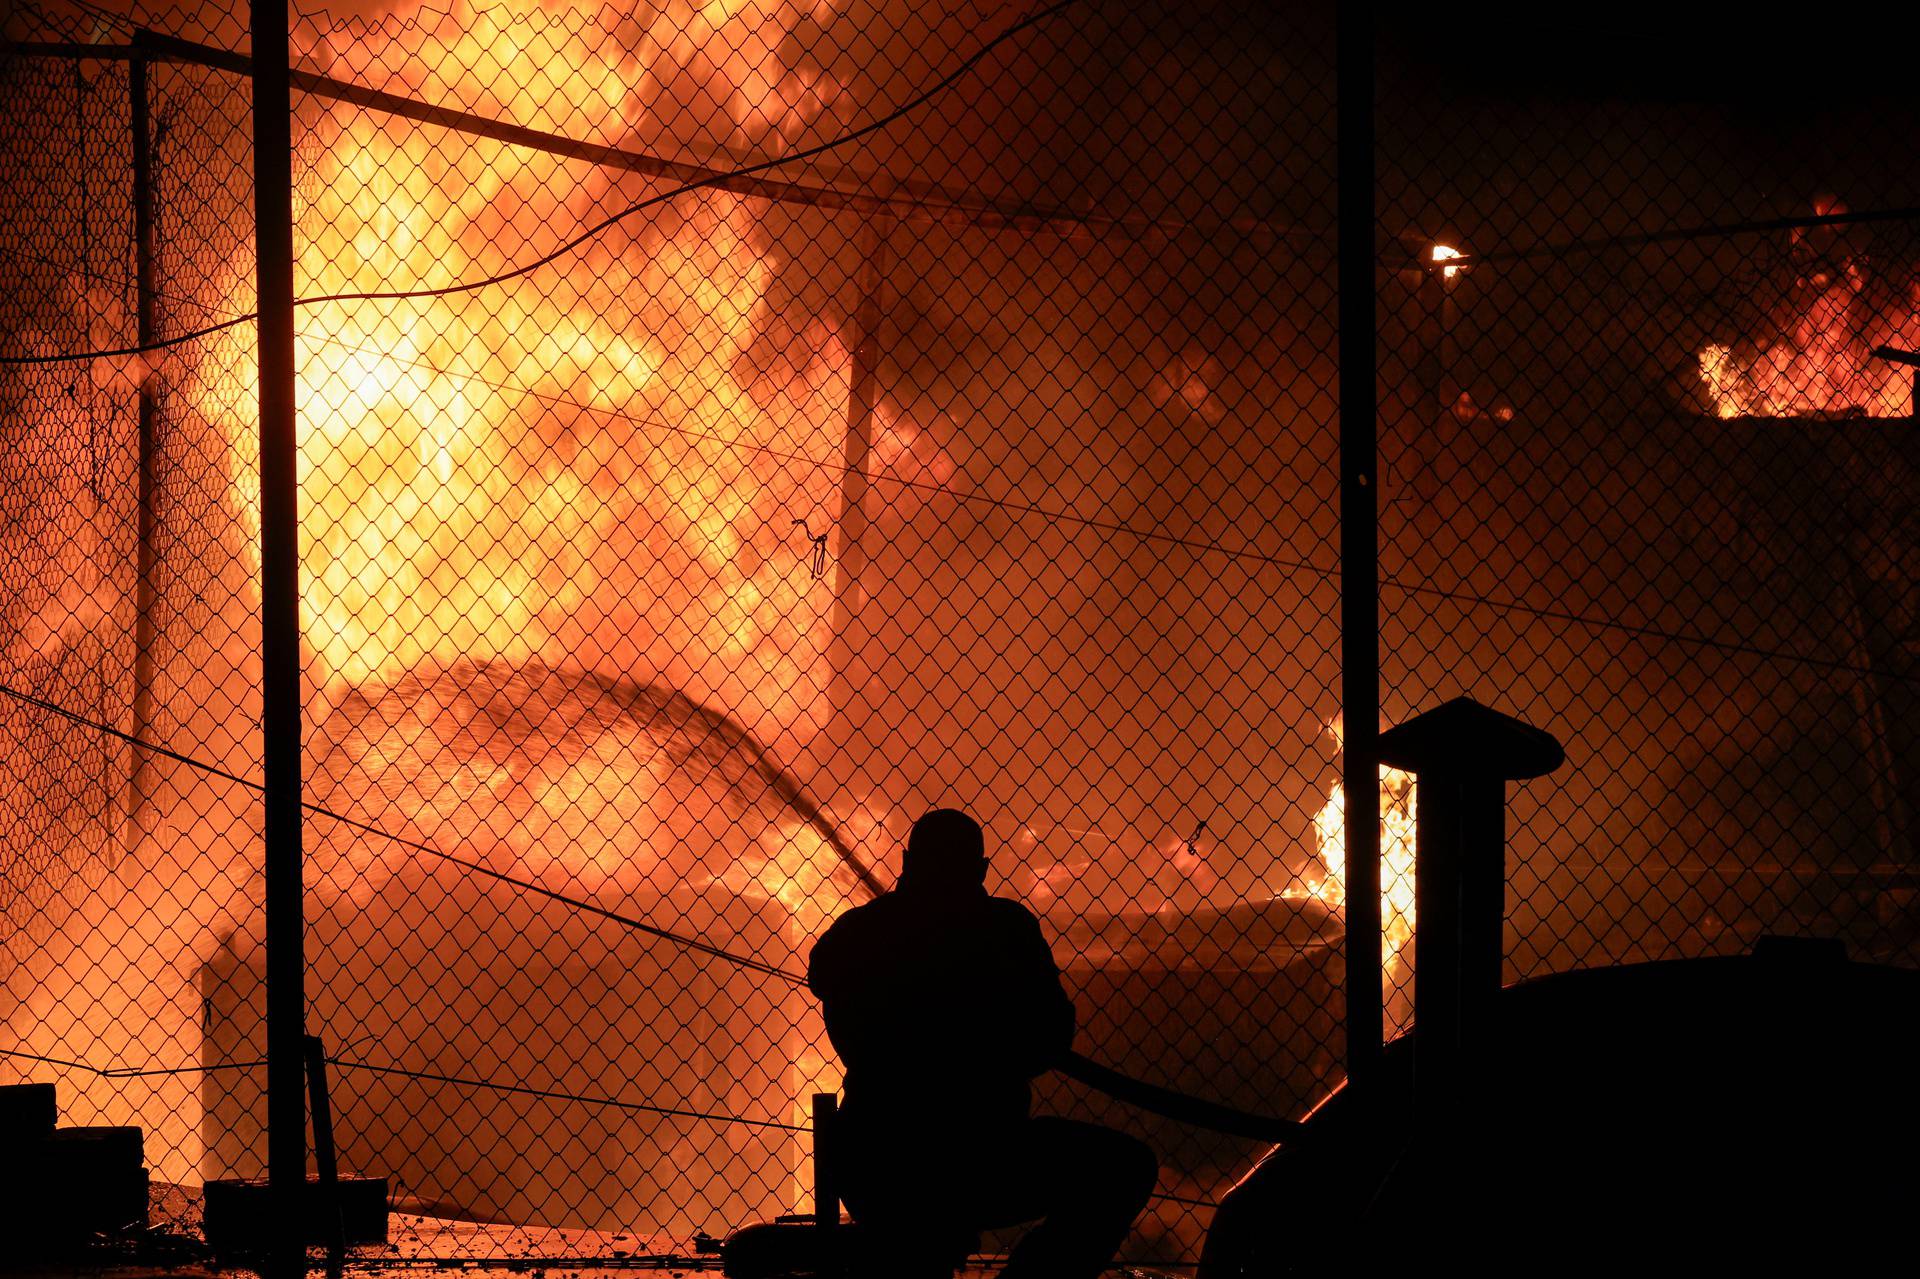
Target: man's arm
[
  {"x": 1041, "y": 1033},
  {"x": 832, "y": 979}
]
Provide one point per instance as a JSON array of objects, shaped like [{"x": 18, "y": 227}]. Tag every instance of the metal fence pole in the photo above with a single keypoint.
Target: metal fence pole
[
  {"x": 149, "y": 389},
  {"x": 1359, "y": 541},
  {"x": 848, "y": 665},
  {"x": 279, "y": 636}
]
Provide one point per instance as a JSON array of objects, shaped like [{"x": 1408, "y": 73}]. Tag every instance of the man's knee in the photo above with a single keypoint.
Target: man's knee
[
  {"x": 1135, "y": 1170},
  {"x": 1122, "y": 1167}
]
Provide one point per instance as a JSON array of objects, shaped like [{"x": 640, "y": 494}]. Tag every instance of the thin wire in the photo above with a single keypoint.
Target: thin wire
[
  {"x": 793, "y": 157},
  {"x": 128, "y": 1072},
  {"x": 1124, "y": 529},
  {"x": 528, "y": 886},
  {"x": 123, "y": 352},
  {"x": 99, "y": 12},
  {"x": 805, "y": 153},
  {"x": 768, "y": 450},
  {"x": 841, "y": 468},
  {"x": 429, "y": 1076},
  {"x": 1182, "y": 1199},
  {"x": 638, "y": 925},
  {"x": 1568, "y": 248},
  {"x": 1649, "y": 632}
]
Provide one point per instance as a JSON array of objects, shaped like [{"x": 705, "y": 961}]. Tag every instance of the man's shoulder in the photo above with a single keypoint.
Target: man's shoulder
[
  {"x": 866, "y": 915},
  {"x": 1012, "y": 916},
  {"x": 851, "y": 928},
  {"x": 1011, "y": 909}
]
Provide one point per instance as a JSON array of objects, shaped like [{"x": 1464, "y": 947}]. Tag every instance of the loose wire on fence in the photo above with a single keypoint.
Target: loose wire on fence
[
  {"x": 638, "y": 925},
  {"x": 593, "y": 232},
  {"x": 1119, "y": 526},
  {"x": 747, "y": 170},
  {"x": 585, "y": 907},
  {"x": 552, "y": 1095},
  {"x": 1146, "y": 1096},
  {"x": 1641, "y": 239},
  {"x": 776, "y": 453},
  {"x": 1331, "y": 574},
  {"x": 350, "y": 1063},
  {"x": 131, "y": 1072},
  {"x": 1184, "y": 1199}
]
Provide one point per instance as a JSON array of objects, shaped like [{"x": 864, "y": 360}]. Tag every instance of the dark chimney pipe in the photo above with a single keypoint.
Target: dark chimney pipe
[{"x": 1462, "y": 755}]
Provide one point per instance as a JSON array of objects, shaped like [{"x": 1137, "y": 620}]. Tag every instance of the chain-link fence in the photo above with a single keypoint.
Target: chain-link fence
[
  {"x": 131, "y": 603},
  {"x": 726, "y": 434}
]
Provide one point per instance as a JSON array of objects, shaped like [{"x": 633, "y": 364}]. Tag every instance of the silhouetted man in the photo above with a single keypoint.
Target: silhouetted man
[{"x": 943, "y": 1002}]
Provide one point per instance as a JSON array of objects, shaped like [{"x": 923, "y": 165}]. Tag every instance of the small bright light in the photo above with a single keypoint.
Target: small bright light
[{"x": 1442, "y": 252}]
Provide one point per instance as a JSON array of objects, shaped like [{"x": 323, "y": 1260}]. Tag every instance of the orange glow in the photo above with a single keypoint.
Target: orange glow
[
  {"x": 1444, "y": 253},
  {"x": 1822, "y": 330}
]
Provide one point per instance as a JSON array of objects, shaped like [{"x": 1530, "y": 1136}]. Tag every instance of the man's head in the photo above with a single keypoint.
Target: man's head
[{"x": 945, "y": 852}]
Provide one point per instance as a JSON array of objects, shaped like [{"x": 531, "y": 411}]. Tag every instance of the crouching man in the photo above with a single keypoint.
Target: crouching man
[{"x": 943, "y": 1003}]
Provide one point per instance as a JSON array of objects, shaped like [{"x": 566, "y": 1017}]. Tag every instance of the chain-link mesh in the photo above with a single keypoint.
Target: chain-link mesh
[
  {"x": 1649, "y": 486},
  {"x": 726, "y": 434}
]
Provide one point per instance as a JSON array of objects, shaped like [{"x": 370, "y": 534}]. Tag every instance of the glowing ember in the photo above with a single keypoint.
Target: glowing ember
[{"x": 1396, "y": 856}]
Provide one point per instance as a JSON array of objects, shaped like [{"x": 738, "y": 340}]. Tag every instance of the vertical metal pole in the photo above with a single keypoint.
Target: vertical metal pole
[
  {"x": 1359, "y": 541},
  {"x": 279, "y": 636},
  {"x": 324, "y": 1165},
  {"x": 141, "y": 779},
  {"x": 847, "y": 662},
  {"x": 826, "y": 1188}
]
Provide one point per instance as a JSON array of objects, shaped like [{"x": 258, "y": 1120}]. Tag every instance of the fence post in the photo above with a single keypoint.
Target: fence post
[
  {"x": 279, "y": 638},
  {"x": 1359, "y": 541},
  {"x": 826, "y": 1188},
  {"x": 148, "y": 408},
  {"x": 845, "y": 683}
]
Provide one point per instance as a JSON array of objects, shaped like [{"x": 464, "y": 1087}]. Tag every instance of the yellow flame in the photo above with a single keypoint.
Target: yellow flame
[
  {"x": 1444, "y": 253},
  {"x": 1397, "y": 820},
  {"x": 563, "y": 465}
]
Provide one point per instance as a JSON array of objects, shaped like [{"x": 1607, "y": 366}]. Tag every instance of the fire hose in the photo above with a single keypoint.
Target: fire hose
[{"x": 1179, "y": 1106}]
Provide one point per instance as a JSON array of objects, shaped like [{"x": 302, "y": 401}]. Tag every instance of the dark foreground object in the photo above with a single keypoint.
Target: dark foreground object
[
  {"x": 239, "y": 1218},
  {"x": 787, "y": 1246},
  {"x": 62, "y": 1187},
  {"x": 1731, "y": 1113}
]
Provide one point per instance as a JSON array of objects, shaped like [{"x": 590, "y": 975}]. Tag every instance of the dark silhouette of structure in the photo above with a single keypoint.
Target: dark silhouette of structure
[{"x": 944, "y": 1002}]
